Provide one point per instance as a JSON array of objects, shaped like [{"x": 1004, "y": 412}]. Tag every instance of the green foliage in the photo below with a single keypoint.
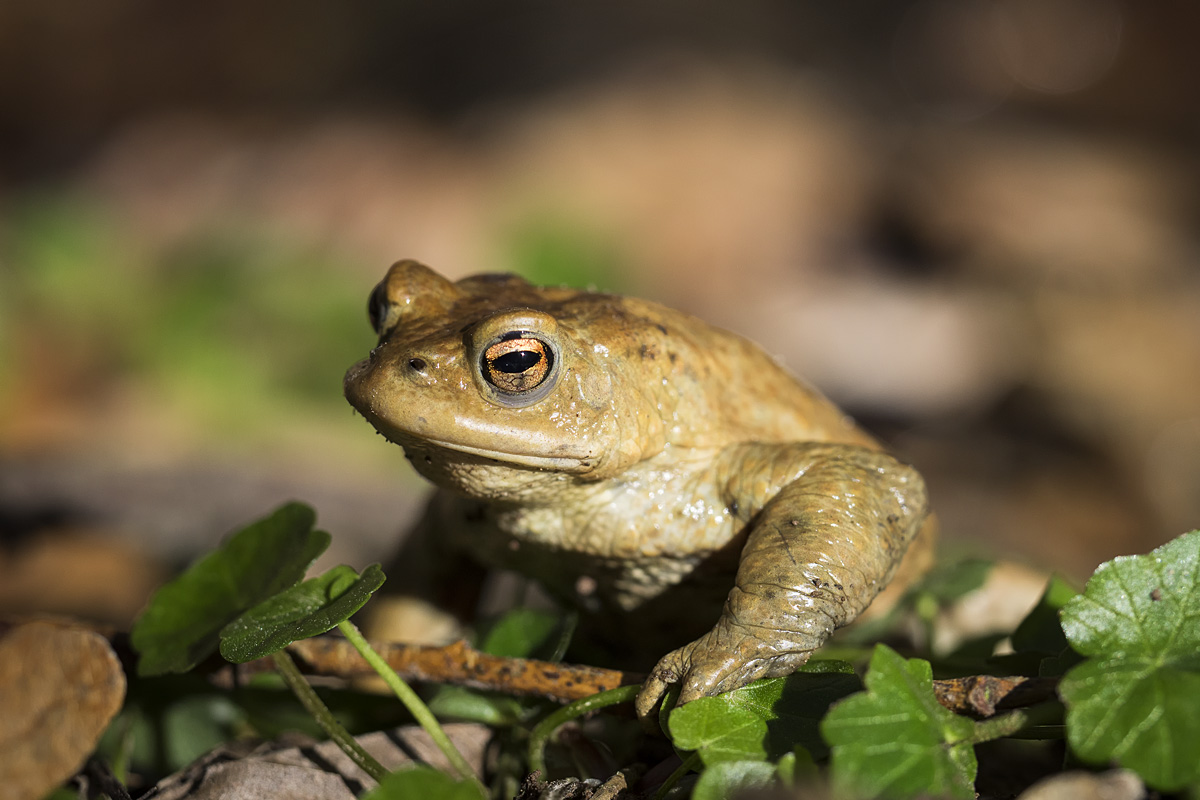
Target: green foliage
[
  {"x": 895, "y": 739},
  {"x": 307, "y": 609},
  {"x": 423, "y": 782},
  {"x": 727, "y": 778},
  {"x": 182, "y": 625},
  {"x": 1137, "y": 697},
  {"x": 239, "y": 335},
  {"x": 1041, "y": 631},
  {"x": 523, "y": 633},
  {"x": 719, "y": 731},
  {"x": 553, "y": 250},
  {"x": 948, "y": 582},
  {"x": 766, "y": 719}
]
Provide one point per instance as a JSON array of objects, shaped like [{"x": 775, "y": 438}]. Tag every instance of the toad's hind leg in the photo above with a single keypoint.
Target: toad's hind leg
[{"x": 817, "y": 553}]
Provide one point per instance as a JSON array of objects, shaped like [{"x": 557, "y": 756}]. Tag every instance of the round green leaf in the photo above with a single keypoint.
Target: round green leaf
[
  {"x": 894, "y": 739},
  {"x": 181, "y": 625},
  {"x": 309, "y": 609},
  {"x": 1137, "y": 699}
]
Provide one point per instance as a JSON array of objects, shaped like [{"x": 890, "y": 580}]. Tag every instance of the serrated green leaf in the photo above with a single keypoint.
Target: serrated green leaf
[
  {"x": 895, "y": 740},
  {"x": 181, "y": 626},
  {"x": 424, "y": 782},
  {"x": 307, "y": 609},
  {"x": 729, "y": 778},
  {"x": 1137, "y": 698},
  {"x": 719, "y": 731}
]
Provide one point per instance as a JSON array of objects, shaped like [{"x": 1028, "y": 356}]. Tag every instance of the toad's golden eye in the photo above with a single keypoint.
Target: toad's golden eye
[{"x": 517, "y": 363}]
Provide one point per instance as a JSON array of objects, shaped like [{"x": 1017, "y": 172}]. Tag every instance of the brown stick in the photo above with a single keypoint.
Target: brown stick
[
  {"x": 462, "y": 665},
  {"x": 976, "y": 696}
]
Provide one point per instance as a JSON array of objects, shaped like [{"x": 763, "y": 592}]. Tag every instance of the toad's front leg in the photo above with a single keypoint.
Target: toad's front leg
[{"x": 816, "y": 554}]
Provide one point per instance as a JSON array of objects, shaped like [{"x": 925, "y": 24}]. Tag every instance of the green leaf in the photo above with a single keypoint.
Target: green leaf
[
  {"x": 181, "y": 626},
  {"x": 307, "y": 609},
  {"x": 522, "y": 633},
  {"x": 793, "y": 706},
  {"x": 796, "y": 766},
  {"x": 946, "y": 583},
  {"x": 1041, "y": 631},
  {"x": 424, "y": 782},
  {"x": 719, "y": 731},
  {"x": 731, "y": 778},
  {"x": 470, "y": 705},
  {"x": 1137, "y": 698},
  {"x": 765, "y": 719},
  {"x": 895, "y": 739}
]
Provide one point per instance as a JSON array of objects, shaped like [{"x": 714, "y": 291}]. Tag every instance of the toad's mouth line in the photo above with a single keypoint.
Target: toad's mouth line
[
  {"x": 417, "y": 442},
  {"x": 551, "y": 463}
]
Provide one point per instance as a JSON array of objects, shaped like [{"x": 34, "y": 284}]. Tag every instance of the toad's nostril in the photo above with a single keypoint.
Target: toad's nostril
[{"x": 417, "y": 364}]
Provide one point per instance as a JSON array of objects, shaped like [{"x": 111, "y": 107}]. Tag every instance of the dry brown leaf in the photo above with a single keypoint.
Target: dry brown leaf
[{"x": 59, "y": 687}]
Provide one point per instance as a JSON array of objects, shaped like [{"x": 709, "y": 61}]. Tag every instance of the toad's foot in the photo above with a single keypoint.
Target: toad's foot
[{"x": 726, "y": 658}]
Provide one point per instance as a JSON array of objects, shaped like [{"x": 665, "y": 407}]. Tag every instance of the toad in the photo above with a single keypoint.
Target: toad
[{"x": 667, "y": 478}]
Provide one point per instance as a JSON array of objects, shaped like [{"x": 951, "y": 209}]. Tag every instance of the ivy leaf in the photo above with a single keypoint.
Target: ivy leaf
[
  {"x": 424, "y": 782},
  {"x": 1137, "y": 698},
  {"x": 307, "y": 609},
  {"x": 766, "y": 719},
  {"x": 733, "y": 779},
  {"x": 895, "y": 739},
  {"x": 719, "y": 731},
  {"x": 181, "y": 626}
]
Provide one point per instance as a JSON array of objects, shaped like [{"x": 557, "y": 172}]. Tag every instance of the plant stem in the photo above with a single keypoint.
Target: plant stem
[
  {"x": 324, "y": 717},
  {"x": 414, "y": 704},
  {"x": 687, "y": 766},
  {"x": 1020, "y": 723},
  {"x": 541, "y": 733}
]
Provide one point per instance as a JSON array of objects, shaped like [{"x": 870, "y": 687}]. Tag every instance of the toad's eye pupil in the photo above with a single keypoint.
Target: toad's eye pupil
[{"x": 517, "y": 361}]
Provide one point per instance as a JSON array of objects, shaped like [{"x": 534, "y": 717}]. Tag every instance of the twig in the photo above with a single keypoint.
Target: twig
[{"x": 462, "y": 665}]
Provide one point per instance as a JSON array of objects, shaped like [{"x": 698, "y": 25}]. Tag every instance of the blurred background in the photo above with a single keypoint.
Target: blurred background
[{"x": 971, "y": 223}]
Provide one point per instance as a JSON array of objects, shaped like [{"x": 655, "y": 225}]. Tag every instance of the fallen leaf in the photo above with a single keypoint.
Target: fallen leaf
[{"x": 60, "y": 686}]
